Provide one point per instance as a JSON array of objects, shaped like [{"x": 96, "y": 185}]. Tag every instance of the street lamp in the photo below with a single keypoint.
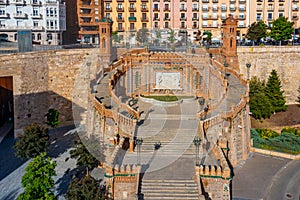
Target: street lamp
[
  {"x": 248, "y": 65},
  {"x": 197, "y": 142},
  {"x": 225, "y": 65},
  {"x": 138, "y": 142}
]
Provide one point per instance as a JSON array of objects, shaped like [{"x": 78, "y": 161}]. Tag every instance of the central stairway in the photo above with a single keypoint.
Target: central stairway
[{"x": 168, "y": 189}]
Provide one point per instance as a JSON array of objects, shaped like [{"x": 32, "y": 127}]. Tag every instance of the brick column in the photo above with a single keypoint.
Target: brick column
[{"x": 131, "y": 145}]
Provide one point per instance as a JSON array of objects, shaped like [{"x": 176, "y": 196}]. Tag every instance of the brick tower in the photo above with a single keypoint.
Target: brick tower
[
  {"x": 229, "y": 42},
  {"x": 105, "y": 32}
]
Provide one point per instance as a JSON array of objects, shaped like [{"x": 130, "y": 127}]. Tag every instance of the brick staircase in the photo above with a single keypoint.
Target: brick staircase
[{"x": 168, "y": 189}]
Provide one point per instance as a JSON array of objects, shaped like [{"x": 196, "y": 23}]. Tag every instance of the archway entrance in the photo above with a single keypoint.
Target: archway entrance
[{"x": 6, "y": 100}]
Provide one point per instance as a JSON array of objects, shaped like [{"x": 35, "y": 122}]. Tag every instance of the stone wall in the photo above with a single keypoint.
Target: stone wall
[
  {"x": 43, "y": 80},
  {"x": 284, "y": 59}
]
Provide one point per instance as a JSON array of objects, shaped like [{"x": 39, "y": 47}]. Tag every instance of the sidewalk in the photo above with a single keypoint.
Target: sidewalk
[{"x": 5, "y": 129}]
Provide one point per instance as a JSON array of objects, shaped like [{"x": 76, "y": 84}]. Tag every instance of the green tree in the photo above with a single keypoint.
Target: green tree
[
  {"x": 171, "y": 37},
  {"x": 142, "y": 36},
  {"x": 257, "y": 31},
  {"x": 52, "y": 118},
  {"x": 207, "y": 36},
  {"x": 260, "y": 105},
  {"x": 37, "y": 180},
  {"x": 115, "y": 36},
  {"x": 157, "y": 37},
  {"x": 34, "y": 141},
  {"x": 281, "y": 29},
  {"x": 85, "y": 188},
  {"x": 274, "y": 92},
  {"x": 83, "y": 156}
]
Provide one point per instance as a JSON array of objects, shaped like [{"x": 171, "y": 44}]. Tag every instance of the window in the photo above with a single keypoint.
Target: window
[
  {"x": 144, "y": 15},
  {"x": 204, "y": 23},
  {"x": 33, "y": 36},
  {"x": 182, "y": 6},
  {"x": 242, "y": 7},
  {"x": 182, "y": 24},
  {"x": 131, "y": 15},
  {"x": 2, "y": 10},
  {"x": 108, "y": 15},
  {"x": 156, "y": 6},
  {"x": 2, "y": 23},
  {"x": 155, "y": 16},
  {"x": 258, "y": 17},
  {"x": 204, "y": 15},
  {"x": 195, "y": 15},
  {"x": 223, "y": 7},
  {"x": 215, "y": 7},
  {"x": 270, "y": 16},
  {"x": 19, "y": 10},
  {"x": 144, "y": 25},
  {"x": 19, "y": 23},
  {"x": 195, "y": 6},
  {"x": 49, "y": 36},
  {"x": 120, "y": 26},
  {"x": 241, "y": 16},
  {"x": 215, "y": 24},
  {"x": 39, "y": 36},
  {"x": 166, "y": 24},
  {"x": 166, "y": 16},
  {"x": 35, "y": 23},
  {"x": 280, "y": 14},
  {"x": 131, "y": 6},
  {"x": 96, "y": 11},
  {"x": 241, "y": 24},
  {"x": 144, "y": 6},
  {"x": 232, "y": 7},
  {"x": 35, "y": 11},
  {"x": 120, "y": 6},
  {"x": 166, "y": 6},
  {"x": 205, "y": 7},
  {"x": 107, "y": 6},
  {"x": 182, "y": 15},
  {"x": 155, "y": 24},
  {"x": 120, "y": 16},
  {"x": 131, "y": 26},
  {"x": 223, "y": 15}
]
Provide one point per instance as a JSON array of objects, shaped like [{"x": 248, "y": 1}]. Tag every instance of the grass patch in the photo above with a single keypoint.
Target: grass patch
[
  {"x": 168, "y": 98},
  {"x": 287, "y": 142}
]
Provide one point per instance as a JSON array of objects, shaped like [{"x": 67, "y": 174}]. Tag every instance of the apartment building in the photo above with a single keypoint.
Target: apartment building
[
  {"x": 46, "y": 19},
  {"x": 192, "y": 15},
  {"x": 270, "y": 10},
  {"x": 89, "y": 14},
  {"x": 128, "y": 15}
]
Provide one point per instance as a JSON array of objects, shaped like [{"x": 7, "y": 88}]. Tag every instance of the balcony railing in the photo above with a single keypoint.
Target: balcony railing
[
  {"x": 195, "y": 27},
  {"x": 232, "y": 8},
  {"x": 144, "y": 9},
  {"x": 295, "y": 17},
  {"x": 167, "y": 9},
  {"x": 270, "y": 8},
  {"x": 131, "y": 9},
  {"x": 242, "y": 1},
  {"x": 195, "y": 9},
  {"x": 120, "y": 9},
  {"x": 20, "y": 15},
  {"x": 132, "y": 19},
  {"x": 205, "y": 9},
  {"x": 156, "y": 19},
  {"x": 195, "y": 18},
  {"x": 242, "y": 9},
  {"x": 183, "y": 9},
  {"x": 144, "y": 19},
  {"x": 215, "y": 8},
  {"x": 121, "y": 29},
  {"x": 155, "y": 9},
  {"x": 120, "y": 19},
  {"x": 36, "y": 16},
  {"x": 295, "y": 9},
  {"x": 108, "y": 10},
  {"x": 5, "y": 15},
  {"x": 259, "y": 8},
  {"x": 183, "y": 26},
  {"x": 167, "y": 18},
  {"x": 182, "y": 18},
  {"x": 4, "y": 2},
  {"x": 281, "y": 8}
]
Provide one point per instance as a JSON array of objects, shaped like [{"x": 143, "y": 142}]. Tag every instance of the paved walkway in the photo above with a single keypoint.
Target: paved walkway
[
  {"x": 252, "y": 180},
  {"x": 12, "y": 168}
]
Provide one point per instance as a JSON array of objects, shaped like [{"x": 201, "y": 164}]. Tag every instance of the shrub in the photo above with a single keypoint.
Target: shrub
[
  {"x": 291, "y": 130},
  {"x": 267, "y": 133}
]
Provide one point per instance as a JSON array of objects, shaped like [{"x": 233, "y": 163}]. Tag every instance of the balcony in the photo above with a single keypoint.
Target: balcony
[
  {"x": 295, "y": 0},
  {"x": 132, "y": 19},
  {"x": 183, "y": 26},
  {"x": 132, "y": 0},
  {"x": 195, "y": 9},
  {"x": 195, "y": 27},
  {"x": 232, "y": 1},
  {"x": 108, "y": 10},
  {"x": 205, "y": 1},
  {"x": 144, "y": 9},
  {"x": 270, "y": 19},
  {"x": 5, "y": 15},
  {"x": 182, "y": 0},
  {"x": 182, "y": 9},
  {"x": 167, "y": 0},
  {"x": 34, "y": 16},
  {"x": 120, "y": 9},
  {"x": 242, "y": 1},
  {"x": 295, "y": 17},
  {"x": 120, "y": 19},
  {"x": 166, "y": 9},
  {"x": 195, "y": 18},
  {"x": 120, "y": 0},
  {"x": 145, "y": 0},
  {"x": 131, "y": 9},
  {"x": 156, "y": 19},
  {"x": 270, "y": 8},
  {"x": 215, "y": 1},
  {"x": 20, "y": 15},
  {"x": 18, "y": 2},
  {"x": 295, "y": 9},
  {"x": 239, "y": 17},
  {"x": 144, "y": 19},
  {"x": 205, "y": 9},
  {"x": 195, "y": 0},
  {"x": 242, "y": 9},
  {"x": 121, "y": 29},
  {"x": 182, "y": 18},
  {"x": 242, "y": 26},
  {"x": 232, "y": 9},
  {"x": 223, "y": 9},
  {"x": 281, "y": 8},
  {"x": 215, "y": 8},
  {"x": 155, "y": 9},
  {"x": 259, "y": 8},
  {"x": 4, "y": 2},
  {"x": 167, "y": 19}
]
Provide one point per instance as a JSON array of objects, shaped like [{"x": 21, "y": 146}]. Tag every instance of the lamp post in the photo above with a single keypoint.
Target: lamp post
[
  {"x": 248, "y": 65},
  {"x": 225, "y": 65},
  {"x": 197, "y": 142},
  {"x": 138, "y": 142}
]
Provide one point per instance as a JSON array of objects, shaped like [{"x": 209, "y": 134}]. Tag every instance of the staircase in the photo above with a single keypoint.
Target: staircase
[{"x": 168, "y": 189}]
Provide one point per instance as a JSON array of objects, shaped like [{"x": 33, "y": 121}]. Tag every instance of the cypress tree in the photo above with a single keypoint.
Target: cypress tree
[{"x": 274, "y": 92}]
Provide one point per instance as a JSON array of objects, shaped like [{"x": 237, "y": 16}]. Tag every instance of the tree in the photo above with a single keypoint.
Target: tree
[
  {"x": 281, "y": 29},
  {"x": 207, "y": 36},
  {"x": 274, "y": 92},
  {"x": 115, "y": 36},
  {"x": 142, "y": 36},
  {"x": 37, "y": 180},
  {"x": 157, "y": 37},
  {"x": 260, "y": 105},
  {"x": 52, "y": 118},
  {"x": 171, "y": 37},
  {"x": 85, "y": 188},
  {"x": 83, "y": 156},
  {"x": 257, "y": 31},
  {"x": 34, "y": 141}
]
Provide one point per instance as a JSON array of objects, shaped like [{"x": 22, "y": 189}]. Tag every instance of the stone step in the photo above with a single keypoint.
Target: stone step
[{"x": 171, "y": 198}]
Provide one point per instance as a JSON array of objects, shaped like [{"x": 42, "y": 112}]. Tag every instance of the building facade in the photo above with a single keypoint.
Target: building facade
[
  {"x": 127, "y": 15},
  {"x": 193, "y": 15},
  {"x": 46, "y": 19},
  {"x": 89, "y": 14},
  {"x": 270, "y": 10}
]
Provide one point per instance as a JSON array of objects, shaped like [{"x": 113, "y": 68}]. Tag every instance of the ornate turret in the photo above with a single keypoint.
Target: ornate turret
[
  {"x": 229, "y": 42},
  {"x": 105, "y": 32}
]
